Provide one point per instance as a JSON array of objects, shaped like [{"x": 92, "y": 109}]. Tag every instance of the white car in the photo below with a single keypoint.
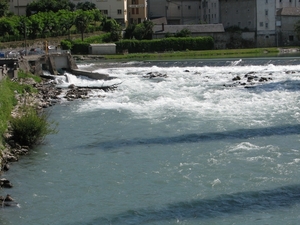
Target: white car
[{"x": 13, "y": 54}]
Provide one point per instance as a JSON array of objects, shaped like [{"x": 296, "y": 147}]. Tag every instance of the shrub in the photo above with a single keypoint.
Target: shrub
[
  {"x": 166, "y": 44},
  {"x": 30, "y": 127},
  {"x": 80, "y": 47},
  {"x": 66, "y": 44}
]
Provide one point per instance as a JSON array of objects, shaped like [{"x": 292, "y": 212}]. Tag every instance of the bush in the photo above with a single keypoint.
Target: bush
[
  {"x": 30, "y": 127},
  {"x": 66, "y": 44},
  {"x": 166, "y": 44},
  {"x": 80, "y": 47}
]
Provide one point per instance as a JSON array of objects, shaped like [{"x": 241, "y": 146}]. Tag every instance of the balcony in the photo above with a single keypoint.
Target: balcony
[{"x": 137, "y": 6}]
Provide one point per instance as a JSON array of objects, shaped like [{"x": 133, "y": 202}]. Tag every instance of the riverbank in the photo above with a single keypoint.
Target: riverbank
[{"x": 205, "y": 54}]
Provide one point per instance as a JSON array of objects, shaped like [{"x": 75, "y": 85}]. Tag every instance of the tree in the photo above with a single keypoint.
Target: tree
[
  {"x": 183, "y": 33},
  {"x": 86, "y": 6},
  {"x": 129, "y": 31},
  {"x": 50, "y": 21},
  {"x": 82, "y": 21},
  {"x": 66, "y": 19},
  {"x": 297, "y": 28},
  {"x": 49, "y": 5},
  {"x": 35, "y": 25},
  {"x": 143, "y": 30},
  {"x": 3, "y": 7}
]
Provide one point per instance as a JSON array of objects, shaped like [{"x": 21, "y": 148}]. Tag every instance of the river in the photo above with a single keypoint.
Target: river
[{"x": 191, "y": 147}]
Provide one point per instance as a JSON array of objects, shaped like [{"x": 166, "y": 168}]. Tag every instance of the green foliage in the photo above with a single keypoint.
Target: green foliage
[
  {"x": 96, "y": 39},
  {"x": 82, "y": 20},
  {"x": 66, "y": 21},
  {"x": 48, "y": 5},
  {"x": 80, "y": 47},
  {"x": 86, "y": 6},
  {"x": 113, "y": 28},
  {"x": 7, "y": 97},
  {"x": 235, "y": 28},
  {"x": 66, "y": 44},
  {"x": 7, "y": 101},
  {"x": 183, "y": 33},
  {"x": 49, "y": 24},
  {"x": 23, "y": 75},
  {"x": 166, "y": 44},
  {"x": 109, "y": 24},
  {"x": 3, "y": 7},
  {"x": 297, "y": 28},
  {"x": 129, "y": 31},
  {"x": 143, "y": 30},
  {"x": 30, "y": 127}
]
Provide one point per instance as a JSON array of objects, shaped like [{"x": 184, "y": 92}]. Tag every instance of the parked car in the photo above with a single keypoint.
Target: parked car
[
  {"x": 36, "y": 51},
  {"x": 2, "y": 54},
  {"x": 13, "y": 54}
]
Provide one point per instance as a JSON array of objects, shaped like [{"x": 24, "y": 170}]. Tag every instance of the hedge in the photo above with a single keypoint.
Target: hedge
[
  {"x": 166, "y": 44},
  {"x": 155, "y": 45}
]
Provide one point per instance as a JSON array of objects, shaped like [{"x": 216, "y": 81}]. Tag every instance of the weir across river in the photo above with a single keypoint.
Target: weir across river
[{"x": 55, "y": 63}]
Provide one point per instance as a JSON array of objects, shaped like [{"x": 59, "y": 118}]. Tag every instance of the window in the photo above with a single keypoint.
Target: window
[
  {"x": 137, "y": 11},
  {"x": 261, "y": 24},
  {"x": 178, "y": 7},
  {"x": 119, "y": 11},
  {"x": 189, "y": 7},
  {"x": 132, "y": 11},
  {"x": 266, "y": 12},
  {"x": 291, "y": 38},
  {"x": 267, "y": 25}
]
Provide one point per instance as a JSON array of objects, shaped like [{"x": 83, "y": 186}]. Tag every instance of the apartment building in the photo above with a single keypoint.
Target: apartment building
[
  {"x": 266, "y": 22},
  {"x": 185, "y": 11},
  {"x": 287, "y": 3},
  {"x": 18, "y": 7},
  {"x": 116, "y": 9},
  {"x": 240, "y": 13},
  {"x": 123, "y": 11},
  {"x": 210, "y": 11},
  {"x": 137, "y": 11}
]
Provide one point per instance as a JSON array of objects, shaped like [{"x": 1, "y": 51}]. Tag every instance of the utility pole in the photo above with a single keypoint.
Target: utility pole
[{"x": 18, "y": 8}]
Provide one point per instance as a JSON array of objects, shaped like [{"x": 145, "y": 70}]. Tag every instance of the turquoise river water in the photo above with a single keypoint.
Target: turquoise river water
[{"x": 194, "y": 147}]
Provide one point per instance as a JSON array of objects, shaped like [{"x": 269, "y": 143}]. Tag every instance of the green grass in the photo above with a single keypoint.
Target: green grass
[
  {"x": 8, "y": 100},
  {"x": 205, "y": 54}
]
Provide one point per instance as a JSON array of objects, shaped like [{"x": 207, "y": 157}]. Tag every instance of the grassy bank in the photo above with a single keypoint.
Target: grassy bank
[
  {"x": 207, "y": 54},
  {"x": 8, "y": 89}
]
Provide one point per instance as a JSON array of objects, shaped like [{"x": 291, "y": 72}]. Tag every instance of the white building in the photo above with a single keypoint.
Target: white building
[
  {"x": 266, "y": 22},
  {"x": 185, "y": 11},
  {"x": 18, "y": 7},
  {"x": 287, "y": 3},
  {"x": 116, "y": 9}
]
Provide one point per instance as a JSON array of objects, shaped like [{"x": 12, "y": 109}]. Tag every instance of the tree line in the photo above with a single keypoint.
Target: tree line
[{"x": 52, "y": 18}]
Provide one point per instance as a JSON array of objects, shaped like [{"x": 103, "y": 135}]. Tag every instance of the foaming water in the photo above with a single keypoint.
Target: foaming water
[{"x": 197, "y": 146}]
